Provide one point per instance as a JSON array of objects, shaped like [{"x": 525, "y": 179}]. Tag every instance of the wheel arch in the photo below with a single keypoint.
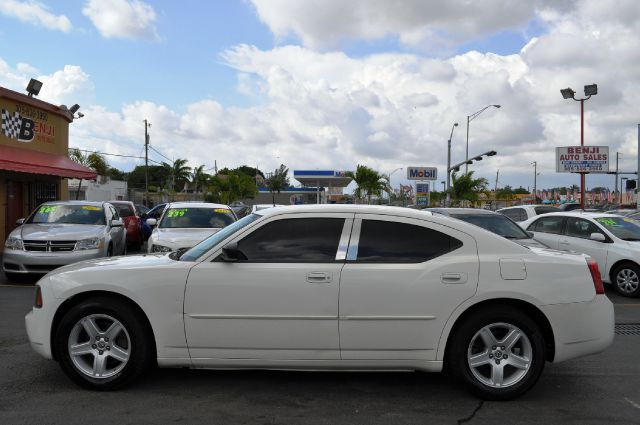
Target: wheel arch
[
  {"x": 77, "y": 298},
  {"x": 531, "y": 310},
  {"x": 615, "y": 265}
]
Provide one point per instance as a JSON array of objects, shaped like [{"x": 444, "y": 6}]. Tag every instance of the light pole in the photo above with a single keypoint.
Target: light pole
[
  {"x": 616, "y": 177},
  {"x": 569, "y": 93},
  {"x": 448, "y": 197},
  {"x": 535, "y": 181},
  {"x": 390, "y": 186},
  {"x": 469, "y": 119},
  {"x": 456, "y": 167},
  {"x": 147, "y": 124}
]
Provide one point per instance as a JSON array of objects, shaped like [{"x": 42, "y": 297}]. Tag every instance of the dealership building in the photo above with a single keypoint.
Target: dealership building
[{"x": 34, "y": 144}]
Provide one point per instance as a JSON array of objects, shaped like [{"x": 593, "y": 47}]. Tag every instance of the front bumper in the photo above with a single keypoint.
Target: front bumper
[
  {"x": 581, "y": 329},
  {"x": 24, "y": 262}
]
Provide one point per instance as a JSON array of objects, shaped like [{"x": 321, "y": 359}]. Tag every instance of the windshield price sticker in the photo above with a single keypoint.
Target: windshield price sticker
[
  {"x": 608, "y": 221},
  {"x": 177, "y": 213},
  {"x": 91, "y": 208},
  {"x": 222, "y": 211},
  {"x": 47, "y": 209}
]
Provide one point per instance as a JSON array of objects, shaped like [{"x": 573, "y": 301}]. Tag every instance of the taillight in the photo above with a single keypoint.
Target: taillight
[
  {"x": 595, "y": 275},
  {"x": 38, "y": 301}
]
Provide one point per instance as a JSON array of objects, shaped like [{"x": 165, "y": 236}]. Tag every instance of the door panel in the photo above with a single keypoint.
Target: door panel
[
  {"x": 398, "y": 311},
  {"x": 267, "y": 310}
]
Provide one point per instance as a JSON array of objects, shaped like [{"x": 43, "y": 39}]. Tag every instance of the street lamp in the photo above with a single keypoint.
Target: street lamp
[
  {"x": 569, "y": 93},
  {"x": 390, "y": 186},
  {"x": 469, "y": 119},
  {"x": 457, "y": 166},
  {"x": 455, "y": 124},
  {"x": 535, "y": 181}
]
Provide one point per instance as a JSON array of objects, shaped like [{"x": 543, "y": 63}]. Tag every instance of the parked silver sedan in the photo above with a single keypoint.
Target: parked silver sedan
[{"x": 61, "y": 233}]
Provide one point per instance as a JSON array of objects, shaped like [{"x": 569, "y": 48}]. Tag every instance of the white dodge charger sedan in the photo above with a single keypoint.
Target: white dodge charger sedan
[{"x": 328, "y": 287}]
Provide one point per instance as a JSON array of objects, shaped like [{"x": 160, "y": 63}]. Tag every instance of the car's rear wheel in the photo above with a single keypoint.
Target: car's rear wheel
[
  {"x": 626, "y": 280},
  {"x": 497, "y": 353},
  {"x": 102, "y": 344}
]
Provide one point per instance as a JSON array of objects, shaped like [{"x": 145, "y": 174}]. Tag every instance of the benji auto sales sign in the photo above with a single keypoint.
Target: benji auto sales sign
[{"x": 582, "y": 159}]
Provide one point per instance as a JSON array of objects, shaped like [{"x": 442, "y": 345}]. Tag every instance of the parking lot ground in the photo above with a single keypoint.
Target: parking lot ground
[{"x": 599, "y": 389}]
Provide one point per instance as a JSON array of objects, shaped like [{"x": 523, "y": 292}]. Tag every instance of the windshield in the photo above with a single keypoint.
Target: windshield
[
  {"x": 204, "y": 246},
  {"x": 624, "y": 228},
  {"x": 495, "y": 223},
  {"x": 68, "y": 214},
  {"x": 196, "y": 218}
]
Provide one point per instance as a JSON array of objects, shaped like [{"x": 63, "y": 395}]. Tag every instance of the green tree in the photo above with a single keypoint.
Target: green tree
[
  {"x": 199, "y": 178},
  {"x": 226, "y": 188},
  {"x": 368, "y": 182},
  {"x": 278, "y": 181},
  {"x": 179, "y": 173},
  {"x": 92, "y": 160},
  {"x": 466, "y": 188},
  {"x": 115, "y": 174},
  {"x": 521, "y": 191}
]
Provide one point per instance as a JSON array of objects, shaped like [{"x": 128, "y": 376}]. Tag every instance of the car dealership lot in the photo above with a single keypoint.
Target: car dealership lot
[{"x": 596, "y": 389}]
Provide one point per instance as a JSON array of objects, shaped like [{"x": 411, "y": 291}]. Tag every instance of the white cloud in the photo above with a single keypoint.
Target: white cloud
[
  {"x": 428, "y": 24},
  {"x": 35, "y": 13},
  {"x": 127, "y": 19}
]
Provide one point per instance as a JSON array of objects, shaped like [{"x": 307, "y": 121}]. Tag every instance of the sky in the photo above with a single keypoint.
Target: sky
[{"x": 329, "y": 84}]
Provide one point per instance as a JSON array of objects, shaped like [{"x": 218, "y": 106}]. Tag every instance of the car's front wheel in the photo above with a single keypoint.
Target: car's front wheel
[
  {"x": 497, "y": 353},
  {"x": 626, "y": 280},
  {"x": 102, "y": 344}
]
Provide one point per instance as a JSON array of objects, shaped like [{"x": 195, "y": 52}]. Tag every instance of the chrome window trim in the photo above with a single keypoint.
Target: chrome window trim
[
  {"x": 352, "y": 252},
  {"x": 343, "y": 245}
]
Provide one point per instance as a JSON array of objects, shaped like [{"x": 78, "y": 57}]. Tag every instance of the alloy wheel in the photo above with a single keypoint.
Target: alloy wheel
[{"x": 627, "y": 281}]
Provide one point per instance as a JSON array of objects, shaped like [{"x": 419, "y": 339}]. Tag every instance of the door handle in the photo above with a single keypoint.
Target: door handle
[
  {"x": 453, "y": 277},
  {"x": 319, "y": 277}
]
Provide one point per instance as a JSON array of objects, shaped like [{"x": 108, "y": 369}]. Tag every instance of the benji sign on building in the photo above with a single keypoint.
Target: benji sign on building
[{"x": 582, "y": 159}]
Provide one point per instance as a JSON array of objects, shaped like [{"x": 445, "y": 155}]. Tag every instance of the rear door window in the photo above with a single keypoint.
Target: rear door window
[
  {"x": 515, "y": 214},
  {"x": 547, "y": 225}
]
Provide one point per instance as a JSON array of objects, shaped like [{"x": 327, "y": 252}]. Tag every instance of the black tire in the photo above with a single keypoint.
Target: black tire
[
  {"x": 139, "y": 344},
  {"x": 461, "y": 348},
  {"x": 626, "y": 288},
  {"x": 110, "y": 251}
]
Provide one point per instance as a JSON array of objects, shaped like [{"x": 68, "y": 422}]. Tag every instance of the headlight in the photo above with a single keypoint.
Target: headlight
[
  {"x": 91, "y": 243},
  {"x": 160, "y": 248},
  {"x": 13, "y": 243}
]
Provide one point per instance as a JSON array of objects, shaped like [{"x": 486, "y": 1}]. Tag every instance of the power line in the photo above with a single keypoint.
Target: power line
[
  {"x": 158, "y": 152},
  {"x": 114, "y": 154}
]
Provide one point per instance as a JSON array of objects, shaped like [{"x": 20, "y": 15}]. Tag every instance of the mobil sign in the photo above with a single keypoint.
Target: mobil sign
[{"x": 422, "y": 173}]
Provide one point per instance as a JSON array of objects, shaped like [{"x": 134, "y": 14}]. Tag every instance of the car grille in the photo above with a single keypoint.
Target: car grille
[{"x": 49, "y": 246}]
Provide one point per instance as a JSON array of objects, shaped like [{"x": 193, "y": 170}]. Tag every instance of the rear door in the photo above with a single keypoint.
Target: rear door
[
  {"x": 577, "y": 233},
  {"x": 402, "y": 279},
  {"x": 548, "y": 230}
]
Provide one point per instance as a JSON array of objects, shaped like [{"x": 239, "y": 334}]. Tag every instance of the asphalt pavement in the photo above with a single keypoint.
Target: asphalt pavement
[{"x": 599, "y": 389}]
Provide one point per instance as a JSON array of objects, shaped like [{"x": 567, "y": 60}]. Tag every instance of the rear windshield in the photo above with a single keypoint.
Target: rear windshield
[
  {"x": 495, "y": 223},
  {"x": 196, "y": 218},
  {"x": 68, "y": 214},
  {"x": 124, "y": 210},
  {"x": 544, "y": 210}
]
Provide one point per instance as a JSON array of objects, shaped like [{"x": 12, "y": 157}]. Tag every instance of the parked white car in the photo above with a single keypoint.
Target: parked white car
[
  {"x": 184, "y": 224},
  {"x": 612, "y": 240},
  {"x": 328, "y": 287},
  {"x": 525, "y": 212}
]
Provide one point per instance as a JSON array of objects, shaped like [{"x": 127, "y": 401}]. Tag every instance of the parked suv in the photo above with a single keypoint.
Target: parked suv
[
  {"x": 60, "y": 233},
  {"x": 525, "y": 212}
]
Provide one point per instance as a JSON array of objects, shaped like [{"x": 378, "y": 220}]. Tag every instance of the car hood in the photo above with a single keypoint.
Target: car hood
[
  {"x": 59, "y": 232},
  {"x": 183, "y": 237},
  {"x": 125, "y": 262}
]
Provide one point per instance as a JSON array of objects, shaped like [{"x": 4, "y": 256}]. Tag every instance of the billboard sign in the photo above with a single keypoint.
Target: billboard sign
[
  {"x": 582, "y": 159},
  {"x": 422, "y": 173}
]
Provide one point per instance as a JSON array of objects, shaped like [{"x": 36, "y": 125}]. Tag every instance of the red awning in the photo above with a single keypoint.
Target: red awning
[{"x": 28, "y": 161}]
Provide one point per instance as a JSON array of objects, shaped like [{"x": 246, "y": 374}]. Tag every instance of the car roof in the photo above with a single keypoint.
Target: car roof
[
  {"x": 576, "y": 214},
  {"x": 121, "y": 202},
  {"x": 196, "y": 205},
  {"x": 456, "y": 211},
  {"x": 96, "y": 203},
  {"x": 344, "y": 208}
]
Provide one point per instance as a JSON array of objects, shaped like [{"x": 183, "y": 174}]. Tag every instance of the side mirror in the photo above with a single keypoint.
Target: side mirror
[
  {"x": 231, "y": 253},
  {"x": 116, "y": 223},
  {"x": 531, "y": 235},
  {"x": 152, "y": 222},
  {"x": 597, "y": 237},
  {"x": 20, "y": 221}
]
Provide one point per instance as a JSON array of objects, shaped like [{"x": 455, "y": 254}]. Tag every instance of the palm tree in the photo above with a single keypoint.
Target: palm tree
[
  {"x": 369, "y": 182},
  {"x": 179, "y": 172},
  {"x": 198, "y": 178},
  {"x": 93, "y": 160},
  {"x": 466, "y": 188},
  {"x": 278, "y": 181}
]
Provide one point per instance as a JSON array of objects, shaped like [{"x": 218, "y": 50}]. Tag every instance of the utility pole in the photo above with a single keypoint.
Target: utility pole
[
  {"x": 495, "y": 189},
  {"x": 638, "y": 170},
  {"x": 146, "y": 162}
]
